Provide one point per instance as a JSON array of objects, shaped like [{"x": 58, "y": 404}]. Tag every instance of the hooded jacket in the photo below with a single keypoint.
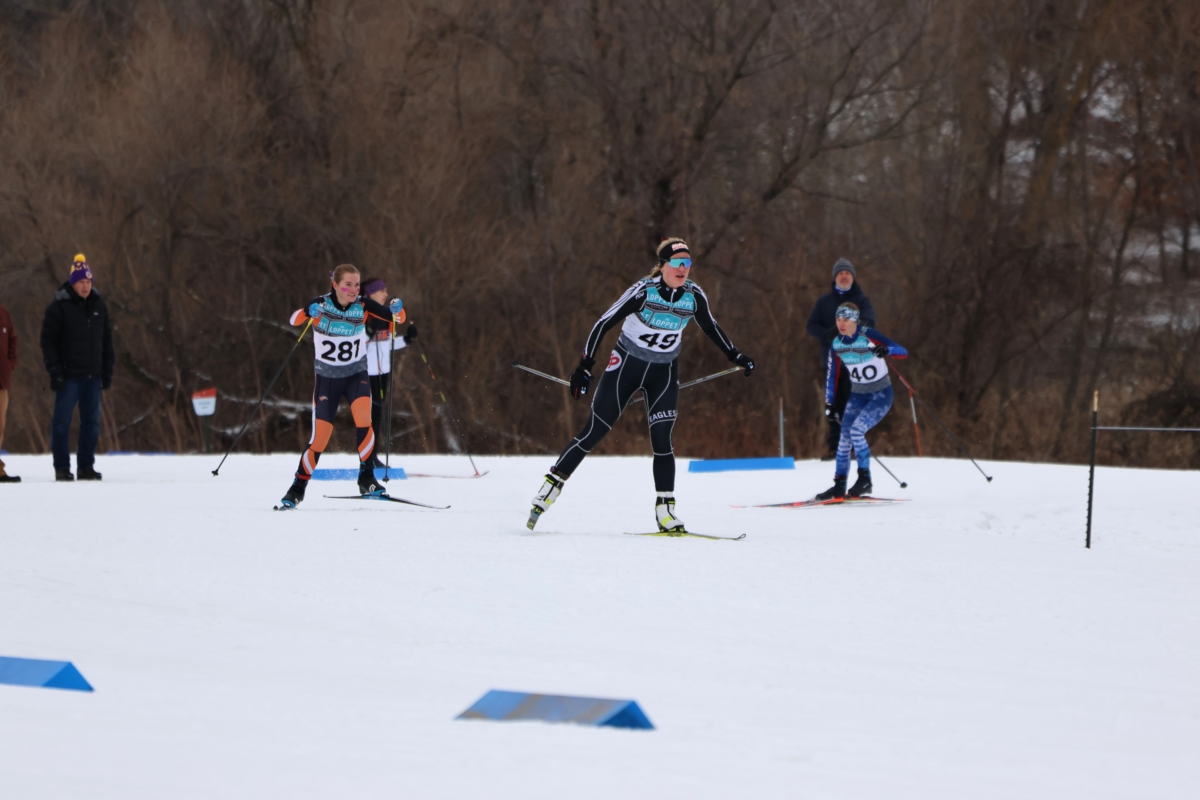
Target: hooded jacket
[
  {"x": 822, "y": 324},
  {"x": 77, "y": 337}
]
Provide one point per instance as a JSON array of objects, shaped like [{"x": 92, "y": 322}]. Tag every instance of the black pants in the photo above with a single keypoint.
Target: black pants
[
  {"x": 618, "y": 384},
  {"x": 379, "y": 408},
  {"x": 839, "y": 407}
]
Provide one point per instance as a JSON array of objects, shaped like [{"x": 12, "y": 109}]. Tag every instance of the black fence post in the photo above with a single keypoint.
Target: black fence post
[{"x": 1092, "y": 468}]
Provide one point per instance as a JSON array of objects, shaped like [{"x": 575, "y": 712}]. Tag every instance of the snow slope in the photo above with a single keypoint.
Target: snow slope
[{"x": 964, "y": 645}]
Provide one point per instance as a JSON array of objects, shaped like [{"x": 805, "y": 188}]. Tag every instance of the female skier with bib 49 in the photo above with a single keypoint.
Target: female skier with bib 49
[
  {"x": 655, "y": 311},
  {"x": 863, "y": 351},
  {"x": 343, "y": 324}
]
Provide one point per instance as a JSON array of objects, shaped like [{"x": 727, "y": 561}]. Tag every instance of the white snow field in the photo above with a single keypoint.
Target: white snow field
[{"x": 963, "y": 645}]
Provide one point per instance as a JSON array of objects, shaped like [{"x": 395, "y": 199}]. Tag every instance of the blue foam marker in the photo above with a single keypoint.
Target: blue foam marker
[
  {"x": 43, "y": 674},
  {"x": 741, "y": 464},
  {"x": 599, "y": 712},
  {"x": 396, "y": 474}
]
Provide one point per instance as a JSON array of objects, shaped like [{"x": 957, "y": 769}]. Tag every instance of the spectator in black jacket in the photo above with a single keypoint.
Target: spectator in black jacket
[
  {"x": 77, "y": 347},
  {"x": 8, "y": 363},
  {"x": 822, "y": 326}
]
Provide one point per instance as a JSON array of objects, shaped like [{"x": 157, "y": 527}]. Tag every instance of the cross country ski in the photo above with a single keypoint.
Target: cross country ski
[
  {"x": 845, "y": 500},
  {"x": 386, "y": 497},
  {"x": 680, "y": 534}
]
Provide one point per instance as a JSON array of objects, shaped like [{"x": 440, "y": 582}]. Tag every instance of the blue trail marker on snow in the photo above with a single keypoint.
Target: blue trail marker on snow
[
  {"x": 43, "y": 674},
  {"x": 501, "y": 706},
  {"x": 396, "y": 474},
  {"x": 740, "y": 464}
]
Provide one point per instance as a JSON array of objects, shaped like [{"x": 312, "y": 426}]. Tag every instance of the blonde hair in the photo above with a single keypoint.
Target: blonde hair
[
  {"x": 665, "y": 243},
  {"x": 341, "y": 270}
]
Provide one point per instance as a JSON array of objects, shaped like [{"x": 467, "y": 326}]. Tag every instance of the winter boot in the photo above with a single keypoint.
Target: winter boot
[
  {"x": 5, "y": 477},
  {"x": 837, "y": 490},
  {"x": 63, "y": 475},
  {"x": 367, "y": 485},
  {"x": 664, "y": 510},
  {"x": 294, "y": 495},
  {"x": 862, "y": 486},
  {"x": 89, "y": 474},
  {"x": 545, "y": 497}
]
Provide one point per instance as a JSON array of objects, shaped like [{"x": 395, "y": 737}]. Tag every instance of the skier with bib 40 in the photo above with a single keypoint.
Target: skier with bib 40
[
  {"x": 863, "y": 352},
  {"x": 655, "y": 310},
  {"x": 343, "y": 323}
]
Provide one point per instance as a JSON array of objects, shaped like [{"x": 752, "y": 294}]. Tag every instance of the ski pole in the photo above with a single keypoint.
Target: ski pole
[
  {"x": 270, "y": 386},
  {"x": 953, "y": 438},
  {"x": 530, "y": 370},
  {"x": 449, "y": 410},
  {"x": 916, "y": 428},
  {"x": 387, "y": 425},
  {"x": 878, "y": 460},
  {"x": 729, "y": 371},
  {"x": 519, "y": 365}
]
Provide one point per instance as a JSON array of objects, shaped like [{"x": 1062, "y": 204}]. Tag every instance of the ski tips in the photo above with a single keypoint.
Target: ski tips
[{"x": 516, "y": 363}]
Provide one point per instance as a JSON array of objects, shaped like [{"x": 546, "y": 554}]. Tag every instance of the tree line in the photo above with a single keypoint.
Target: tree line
[{"x": 1016, "y": 183}]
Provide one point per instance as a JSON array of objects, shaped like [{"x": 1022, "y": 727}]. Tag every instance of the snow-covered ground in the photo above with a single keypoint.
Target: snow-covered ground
[{"x": 963, "y": 645}]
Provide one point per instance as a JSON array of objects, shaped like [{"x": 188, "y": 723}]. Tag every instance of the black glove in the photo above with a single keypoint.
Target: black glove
[
  {"x": 832, "y": 415},
  {"x": 744, "y": 362},
  {"x": 57, "y": 383},
  {"x": 106, "y": 384},
  {"x": 410, "y": 334},
  {"x": 881, "y": 350},
  {"x": 581, "y": 377}
]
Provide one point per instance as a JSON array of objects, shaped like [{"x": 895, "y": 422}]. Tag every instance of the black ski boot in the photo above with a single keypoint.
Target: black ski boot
[
  {"x": 862, "y": 486},
  {"x": 367, "y": 485},
  {"x": 837, "y": 490},
  {"x": 294, "y": 495}
]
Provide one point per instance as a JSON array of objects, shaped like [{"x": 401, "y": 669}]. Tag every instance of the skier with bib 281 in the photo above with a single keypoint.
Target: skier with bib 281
[
  {"x": 343, "y": 324},
  {"x": 655, "y": 310},
  {"x": 863, "y": 352}
]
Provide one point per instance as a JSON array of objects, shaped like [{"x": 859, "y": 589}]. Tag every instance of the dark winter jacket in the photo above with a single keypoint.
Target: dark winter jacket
[
  {"x": 822, "y": 324},
  {"x": 77, "y": 337},
  {"x": 8, "y": 348}
]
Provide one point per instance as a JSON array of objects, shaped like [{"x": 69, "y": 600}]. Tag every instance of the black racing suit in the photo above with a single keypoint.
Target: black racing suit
[{"x": 648, "y": 362}]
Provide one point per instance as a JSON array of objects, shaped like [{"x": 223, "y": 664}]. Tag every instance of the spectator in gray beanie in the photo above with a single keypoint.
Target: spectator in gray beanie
[{"x": 822, "y": 326}]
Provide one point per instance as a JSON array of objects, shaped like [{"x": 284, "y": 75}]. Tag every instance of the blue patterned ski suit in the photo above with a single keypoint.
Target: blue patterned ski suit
[{"x": 870, "y": 391}]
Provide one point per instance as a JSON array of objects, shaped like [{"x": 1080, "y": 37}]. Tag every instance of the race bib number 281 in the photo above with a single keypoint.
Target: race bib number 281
[{"x": 339, "y": 351}]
